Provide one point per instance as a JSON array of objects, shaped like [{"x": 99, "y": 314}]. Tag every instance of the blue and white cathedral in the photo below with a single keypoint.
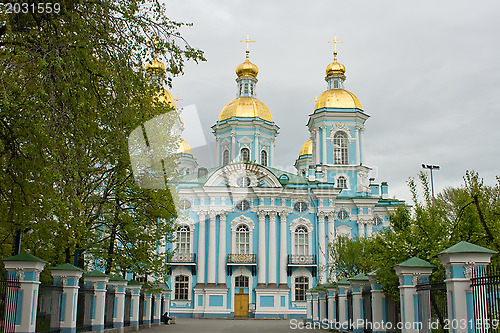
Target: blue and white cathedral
[{"x": 251, "y": 239}]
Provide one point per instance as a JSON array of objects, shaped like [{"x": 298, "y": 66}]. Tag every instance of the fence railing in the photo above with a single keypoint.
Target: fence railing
[
  {"x": 8, "y": 305},
  {"x": 433, "y": 306},
  {"x": 48, "y": 317},
  {"x": 83, "y": 308},
  {"x": 485, "y": 285}
]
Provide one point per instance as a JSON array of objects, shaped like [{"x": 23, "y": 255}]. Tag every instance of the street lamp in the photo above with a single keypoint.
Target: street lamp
[{"x": 431, "y": 167}]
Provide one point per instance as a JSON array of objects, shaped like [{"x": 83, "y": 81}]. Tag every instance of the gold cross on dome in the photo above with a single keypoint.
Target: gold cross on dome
[
  {"x": 177, "y": 99},
  {"x": 248, "y": 41},
  {"x": 335, "y": 42}
]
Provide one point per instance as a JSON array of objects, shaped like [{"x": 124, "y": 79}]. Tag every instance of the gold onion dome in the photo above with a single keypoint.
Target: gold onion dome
[
  {"x": 307, "y": 148},
  {"x": 247, "y": 69},
  {"x": 155, "y": 66},
  {"x": 335, "y": 68},
  {"x": 184, "y": 147},
  {"x": 338, "y": 98},
  {"x": 165, "y": 97},
  {"x": 245, "y": 107}
]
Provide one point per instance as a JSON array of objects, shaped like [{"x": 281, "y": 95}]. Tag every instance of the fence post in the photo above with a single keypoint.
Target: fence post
[
  {"x": 378, "y": 304},
  {"x": 309, "y": 305},
  {"x": 118, "y": 284},
  {"x": 331, "y": 290},
  {"x": 26, "y": 268},
  {"x": 343, "y": 287},
  {"x": 67, "y": 276},
  {"x": 358, "y": 283},
  {"x": 135, "y": 294},
  {"x": 321, "y": 303},
  {"x": 97, "y": 281},
  {"x": 459, "y": 262},
  {"x": 410, "y": 272},
  {"x": 315, "y": 305},
  {"x": 146, "y": 314},
  {"x": 166, "y": 298}
]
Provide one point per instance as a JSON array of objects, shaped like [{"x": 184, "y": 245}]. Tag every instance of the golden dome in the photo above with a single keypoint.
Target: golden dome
[
  {"x": 245, "y": 107},
  {"x": 165, "y": 97},
  {"x": 338, "y": 98},
  {"x": 335, "y": 68},
  {"x": 184, "y": 147},
  {"x": 155, "y": 65},
  {"x": 247, "y": 69},
  {"x": 307, "y": 148}
]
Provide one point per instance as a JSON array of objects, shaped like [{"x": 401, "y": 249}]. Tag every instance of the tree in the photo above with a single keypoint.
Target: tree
[{"x": 73, "y": 87}]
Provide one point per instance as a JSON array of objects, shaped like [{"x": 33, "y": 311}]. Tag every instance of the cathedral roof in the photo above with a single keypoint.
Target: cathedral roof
[
  {"x": 335, "y": 68},
  {"x": 155, "y": 65},
  {"x": 184, "y": 147},
  {"x": 165, "y": 97},
  {"x": 338, "y": 98},
  {"x": 247, "y": 69},
  {"x": 306, "y": 148},
  {"x": 246, "y": 107}
]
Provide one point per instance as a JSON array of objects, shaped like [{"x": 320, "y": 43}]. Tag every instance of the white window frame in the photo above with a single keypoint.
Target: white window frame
[
  {"x": 241, "y": 154},
  {"x": 224, "y": 152},
  {"x": 347, "y": 180},
  {"x": 185, "y": 221},
  {"x": 234, "y": 225},
  {"x": 308, "y": 225},
  {"x": 267, "y": 157},
  {"x": 298, "y": 273},
  {"x": 180, "y": 270},
  {"x": 340, "y": 148},
  {"x": 238, "y": 272}
]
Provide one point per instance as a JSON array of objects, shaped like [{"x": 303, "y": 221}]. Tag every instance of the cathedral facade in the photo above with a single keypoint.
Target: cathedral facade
[{"x": 251, "y": 239}]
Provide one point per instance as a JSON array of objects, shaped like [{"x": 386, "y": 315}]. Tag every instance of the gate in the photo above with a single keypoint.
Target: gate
[
  {"x": 337, "y": 308},
  {"x": 141, "y": 309},
  {"x": 128, "y": 301},
  {"x": 485, "y": 284},
  {"x": 110, "y": 308},
  {"x": 367, "y": 308},
  {"x": 349, "y": 307},
  {"x": 8, "y": 305},
  {"x": 432, "y": 306},
  {"x": 85, "y": 299},
  {"x": 48, "y": 315}
]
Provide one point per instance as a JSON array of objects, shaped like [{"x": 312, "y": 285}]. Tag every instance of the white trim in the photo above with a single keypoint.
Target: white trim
[
  {"x": 234, "y": 224},
  {"x": 343, "y": 230},
  {"x": 244, "y": 139},
  {"x": 185, "y": 221},
  {"x": 348, "y": 180},
  {"x": 302, "y": 222},
  {"x": 180, "y": 270},
  {"x": 301, "y": 271},
  {"x": 245, "y": 272}
]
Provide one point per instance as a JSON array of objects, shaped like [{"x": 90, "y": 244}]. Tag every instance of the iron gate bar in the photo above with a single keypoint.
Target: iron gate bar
[
  {"x": 485, "y": 284},
  {"x": 8, "y": 304},
  {"x": 438, "y": 300}
]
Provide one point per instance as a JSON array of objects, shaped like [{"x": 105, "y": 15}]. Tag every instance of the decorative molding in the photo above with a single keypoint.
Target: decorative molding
[
  {"x": 186, "y": 220},
  {"x": 301, "y": 221},
  {"x": 469, "y": 269},
  {"x": 264, "y": 142},
  {"x": 341, "y": 127},
  {"x": 242, "y": 220},
  {"x": 245, "y": 140}
]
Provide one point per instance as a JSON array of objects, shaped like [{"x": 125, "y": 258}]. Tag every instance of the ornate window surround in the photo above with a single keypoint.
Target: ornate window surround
[
  {"x": 234, "y": 224},
  {"x": 189, "y": 222},
  {"x": 238, "y": 272},
  {"x": 348, "y": 180},
  {"x": 298, "y": 273},
  {"x": 181, "y": 270},
  {"x": 302, "y": 222}
]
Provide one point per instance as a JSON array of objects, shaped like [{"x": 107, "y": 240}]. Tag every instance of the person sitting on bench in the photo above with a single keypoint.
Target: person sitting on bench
[{"x": 165, "y": 318}]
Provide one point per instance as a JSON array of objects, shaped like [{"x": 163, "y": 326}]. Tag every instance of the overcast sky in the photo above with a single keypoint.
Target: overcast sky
[{"x": 427, "y": 72}]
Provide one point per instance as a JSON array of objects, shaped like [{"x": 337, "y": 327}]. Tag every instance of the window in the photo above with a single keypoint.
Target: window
[
  {"x": 243, "y": 205},
  {"x": 183, "y": 239},
  {"x": 342, "y": 214},
  {"x": 243, "y": 181},
  {"x": 335, "y": 84},
  {"x": 225, "y": 157},
  {"x": 245, "y": 154},
  {"x": 251, "y": 89},
  {"x": 242, "y": 239},
  {"x": 184, "y": 204},
  {"x": 341, "y": 182},
  {"x": 301, "y": 241},
  {"x": 246, "y": 88},
  {"x": 301, "y": 285},
  {"x": 241, "y": 89},
  {"x": 182, "y": 287},
  {"x": 263, "y": 158},
  {"x": 377, "y": 220},
  {"x": 300, "y": 206},
  {"x": 340, "y": 148},
  {"x": 241, "y": 281}
]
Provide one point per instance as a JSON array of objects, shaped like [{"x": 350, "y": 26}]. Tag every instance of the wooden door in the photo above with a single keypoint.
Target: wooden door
[{"x": 241, "y": 305}]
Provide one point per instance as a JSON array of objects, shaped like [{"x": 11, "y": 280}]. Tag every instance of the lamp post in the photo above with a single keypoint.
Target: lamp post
[{"x": 431, "y": 167}]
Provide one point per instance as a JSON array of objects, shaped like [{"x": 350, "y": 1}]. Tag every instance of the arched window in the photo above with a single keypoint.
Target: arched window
[
  {"x": 341, "y": 182},
  {"x": 183, "y": 239},
  {"x": 225, "y": 157},
  {"x": 242, "y": 239},
  {"x": 301, "y": 285},
  {"x": 245, "y": 154},
  {"x": 301, "y": 241},
  {"x": 182, "y": 287},
  {"x": 340, "y": 148},
  {"x": 263, "y": 158}
]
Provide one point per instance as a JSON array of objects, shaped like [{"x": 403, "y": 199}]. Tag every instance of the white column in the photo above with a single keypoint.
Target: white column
[
  {"x": 315, "y": 305},
  {"x": 67, "y": 276},
  {"x": 157, "y": 309},
  {"x": 362, "y": 154},
  {"x": 98, "y": 280},
  {"x": 322, "y": 306},
  {"x": 369, "y": 228},
  {"x": 322, "y": 249},
  {"x": 135, "y": 294},
  {"x": 211, "y": 250},
  {"x": 257, "y": 156},
  {"x": 316, "y": 153},
  {"x": 377, "y": 301},
  {"x": 201, "y": 248},
  {"x": 272, "y": 153},
  {"x": 361, "y": 228},
  {"x": 283, "y": 252},
  {"x": 358, "y": 148},
  {"x": 309, "y": 306},
  {"x": 146, "y": 313},
  {"x": 219, "y": 152},
  {"x": 222, "y": 249},
  {"x": 118, "y": 284},
  {"x": 261, "y": 275},
  {"x": 272, "y": 248},
  {"x": 233, "y": 145},
  {"x": 324, "y": 144},
  {"x": 343, "y": 311}
]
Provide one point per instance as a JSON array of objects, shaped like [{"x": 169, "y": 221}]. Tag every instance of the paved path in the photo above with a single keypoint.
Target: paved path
[{"x": 191, "y": 325}]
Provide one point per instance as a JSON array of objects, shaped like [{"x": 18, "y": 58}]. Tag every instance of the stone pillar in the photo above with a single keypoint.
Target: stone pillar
[
  {"x": 118, "y": 284},
  {"x": 309, "y": 305},
  {"x": 146, "y": 311},
  {"x": 315, "y": 305},
  {"x": 369, "y": 228},
  {"x": 460, "y": 261},
  {"x": 343, "y": 287},
  {"x": 157, "y": 308},
  {"x": 26, "y": 268},
  {"x": 233, "y": 145},
  {"x": 261, "y": 270},
  {"x": 361, "y": 228},
  {"x": 135, "y": 294},
  {"x": 272, "y": 248},
  {"x": 272, "y": 152},
  {"x": 358, "y": 148},
  {"x": 256, "y": 148},
  {"x": 222, "y": 249},
  {"x": 211, "y": 250},
  {"x": 201, "y": 248},
  {"x": 378, "y": 303},
  {"x": 410, "y": 273},
  {"x": 331, "y": 290},
  {"x": 322, "y": 248},
  {"x": 283, "y": 251},
  {"x": 316, "y": 152},
  {"x": 97, "y": 280},
  {"x": 361, "y": 143},
  {"x": 358, "y": 283},
  {"x": 321, "y": 304},
  {"x": 67, "y": 276}
]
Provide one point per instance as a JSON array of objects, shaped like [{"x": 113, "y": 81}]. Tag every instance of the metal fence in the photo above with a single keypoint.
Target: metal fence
[
  {"x": 85, "y": 299},
  {"x": 128, "y": 303},
  {"x": 8, "y": 304},
  {"x": 433, "y": 306},
  {"x": 485, "y": 284},
  {"x": 48, "y": 315},
  {"x": 110, "y": 308},
  {"x": 367, "y": 307}
]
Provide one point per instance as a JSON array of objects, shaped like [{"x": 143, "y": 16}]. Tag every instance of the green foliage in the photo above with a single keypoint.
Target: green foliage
[{"x": 72, "y": 89}]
